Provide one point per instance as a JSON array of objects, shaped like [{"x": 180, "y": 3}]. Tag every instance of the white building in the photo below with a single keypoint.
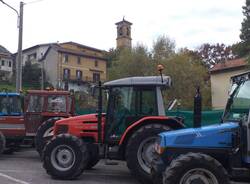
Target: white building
[{"x": 6, "y": 64}]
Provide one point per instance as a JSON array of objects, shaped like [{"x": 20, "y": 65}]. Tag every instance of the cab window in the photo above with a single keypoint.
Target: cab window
[
  {"x": 56, "y": 104},
  {"x": 35, "y": 103}
]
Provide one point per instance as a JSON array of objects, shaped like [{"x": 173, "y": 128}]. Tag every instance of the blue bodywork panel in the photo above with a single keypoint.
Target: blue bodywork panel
[
  {"x": 9, "y": 94},
  {"x": 213, "y": 136}
]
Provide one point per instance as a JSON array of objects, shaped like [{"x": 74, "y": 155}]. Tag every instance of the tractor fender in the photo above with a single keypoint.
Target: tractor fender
[{"x": 163, "y": 120}]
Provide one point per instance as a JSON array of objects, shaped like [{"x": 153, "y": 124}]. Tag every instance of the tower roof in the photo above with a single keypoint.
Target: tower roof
[{"x": 123, "y": 21}]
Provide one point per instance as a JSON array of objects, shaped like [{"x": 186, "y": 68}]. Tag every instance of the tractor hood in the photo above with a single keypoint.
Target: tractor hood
[
  {"x": 79, "y": 125},
  {"x": 88, "y": 118},
  {"x": 213, "y": 136}
]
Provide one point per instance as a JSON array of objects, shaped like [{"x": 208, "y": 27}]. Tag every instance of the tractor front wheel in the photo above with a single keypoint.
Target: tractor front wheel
[
  {"x": 65, "y": 157},
  {"x": 195, "y": 168},
  {"x": 139, "y": 150}
]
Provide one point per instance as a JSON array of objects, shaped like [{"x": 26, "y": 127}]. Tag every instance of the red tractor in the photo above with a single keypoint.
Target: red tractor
[
  {"x": 32, "y": 118},
  {"x": 135, "y": 115}
]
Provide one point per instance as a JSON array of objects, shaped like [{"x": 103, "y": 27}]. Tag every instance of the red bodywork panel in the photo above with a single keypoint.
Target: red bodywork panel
[
  {"x": 86, "y": 126},
  {"x": 12, "y": 125},
  {"x": 82, "y": 126}
]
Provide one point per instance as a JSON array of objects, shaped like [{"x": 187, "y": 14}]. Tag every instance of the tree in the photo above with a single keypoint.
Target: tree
[
  {"x": 31, "y": 75},
  {"x": 163, "y": 48},
  {"x": 185, "y": 68},
  {"x": 131, "y": 62},
  {"x": 187, "y": 73},
  {"x": 213, "y": 54},
  {"x": 242, "y": 48},
  {"x": 245, "y": 25},
  {"x": 112, "y": 55}
]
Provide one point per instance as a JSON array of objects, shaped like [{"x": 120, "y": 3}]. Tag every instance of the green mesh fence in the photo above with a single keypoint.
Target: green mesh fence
[{"x": 208, "y": 117}]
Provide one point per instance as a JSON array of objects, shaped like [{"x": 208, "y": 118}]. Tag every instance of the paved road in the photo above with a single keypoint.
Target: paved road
[{"x": 25, "y": 168}]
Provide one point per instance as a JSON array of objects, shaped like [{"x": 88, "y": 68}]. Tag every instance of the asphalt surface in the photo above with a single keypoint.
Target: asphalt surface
[{"x": 25, "y": 167}]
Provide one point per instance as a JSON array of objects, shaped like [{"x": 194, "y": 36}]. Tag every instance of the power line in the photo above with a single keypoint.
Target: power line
[{"x": 31, "y": 2}]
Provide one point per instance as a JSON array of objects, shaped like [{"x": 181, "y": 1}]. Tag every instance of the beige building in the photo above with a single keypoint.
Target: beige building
[
  {"x": 74, "y": 65},
  {"x": 220, "y": 80}
]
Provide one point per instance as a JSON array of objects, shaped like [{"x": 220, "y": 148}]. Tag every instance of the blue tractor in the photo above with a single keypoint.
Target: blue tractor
[{"x": 211, "y": 154}]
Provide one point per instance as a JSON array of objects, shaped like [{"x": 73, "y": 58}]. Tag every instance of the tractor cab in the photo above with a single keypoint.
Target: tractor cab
[
  {"x": 131, "y": 99},
  {"x": 238, "y": 104}
]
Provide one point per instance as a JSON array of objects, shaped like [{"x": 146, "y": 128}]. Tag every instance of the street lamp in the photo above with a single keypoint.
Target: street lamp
[{"x": 20, "y": 39}]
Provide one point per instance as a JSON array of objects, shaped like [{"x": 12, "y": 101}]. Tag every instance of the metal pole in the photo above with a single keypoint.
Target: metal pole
[
  {"x": 19, "y": 52},
  {"x": 197, "y": 108}
]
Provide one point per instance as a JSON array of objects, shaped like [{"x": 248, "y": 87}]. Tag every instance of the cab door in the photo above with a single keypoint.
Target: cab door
[
  {"x": 127, "y": 105},
  {"x": 33, "y": 113}
]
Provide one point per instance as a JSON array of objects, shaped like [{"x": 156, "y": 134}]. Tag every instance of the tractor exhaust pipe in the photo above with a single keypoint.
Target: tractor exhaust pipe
[
  {"x": 197, "y": 108},
  {"x": 100, "y": 112}
]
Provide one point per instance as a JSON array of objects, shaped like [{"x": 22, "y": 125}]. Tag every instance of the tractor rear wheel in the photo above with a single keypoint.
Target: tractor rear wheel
[
  {"x": 139, "y": 150},
  {"x": 93, "y": 155},
  {"x": 45, "y": 133},
  {"x": 195, "y": 168},
  {"x": 65, "y": 157}
]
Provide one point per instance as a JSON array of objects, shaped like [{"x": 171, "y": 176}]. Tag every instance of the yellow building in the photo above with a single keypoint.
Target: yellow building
[
  {"x": 73, "y": 65},
  {"x": 220, "y": 80}
]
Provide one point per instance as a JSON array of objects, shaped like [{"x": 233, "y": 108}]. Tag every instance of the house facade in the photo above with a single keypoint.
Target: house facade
[
  {"x": 220, "y": 80},
  {"x": 74, "y": 66},
  {"x": 6, "y": 64}
]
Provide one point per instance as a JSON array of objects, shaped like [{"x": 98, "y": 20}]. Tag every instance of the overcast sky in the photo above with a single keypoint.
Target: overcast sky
[{"x": 92, "y": 23}]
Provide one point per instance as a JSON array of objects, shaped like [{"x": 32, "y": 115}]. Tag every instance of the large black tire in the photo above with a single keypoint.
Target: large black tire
[
  {"x": 65, "y": 157},
  {"x": 43, "y": 134},
  {"x": 197, "y": 168},
  {"x": 139, "y": 151},
  {"x": 2, "y": 142},
  {"x": 93, "y": 155}
]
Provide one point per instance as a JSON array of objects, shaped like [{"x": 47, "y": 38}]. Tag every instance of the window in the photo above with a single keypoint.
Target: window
[
  {"x": 78, "y": 74},
  {"x": 3, "y": 105},
  {"x": 9, "y": 63},
  {"x": 79, "y": 60},
  {"x": 96, "y": 77},
  {"x": 65, "y": 58},
  {"x": 56, "y": 104},
  {"x": 3, "y": 62},
  {"x": 96, "y": 63},
  {"x": 66, "y": 73},
  {"x": 32, "y": 57},
  {"x": 15, "y": 105},
  {"x": 35, "y": 103}
]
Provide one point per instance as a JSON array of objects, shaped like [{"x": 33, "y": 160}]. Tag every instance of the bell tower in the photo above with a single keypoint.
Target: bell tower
[{"x": 123, "y": 39}]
